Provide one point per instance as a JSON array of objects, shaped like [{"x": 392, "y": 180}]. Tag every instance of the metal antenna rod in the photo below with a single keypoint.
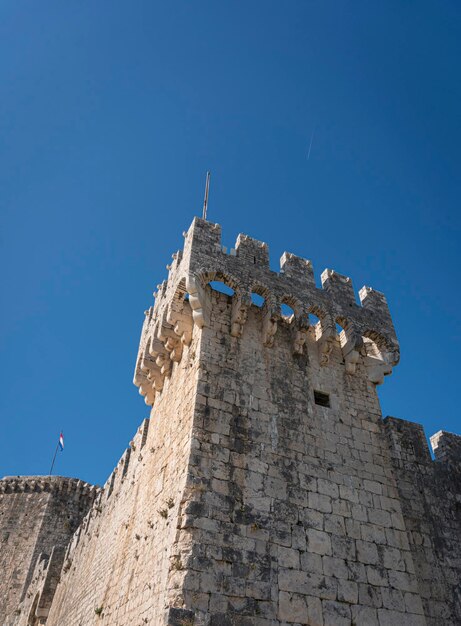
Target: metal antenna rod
[
  {"x": 54, "y": 458},
  {"x": 205, "y": 201},
  {"x": 55, "y": 453}
]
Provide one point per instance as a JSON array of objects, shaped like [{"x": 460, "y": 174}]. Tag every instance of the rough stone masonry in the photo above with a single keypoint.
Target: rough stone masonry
[{"x": 265, "y": 489}]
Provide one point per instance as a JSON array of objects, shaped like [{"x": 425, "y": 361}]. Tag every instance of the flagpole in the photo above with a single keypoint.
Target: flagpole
[{"x": 54, "y": 458}]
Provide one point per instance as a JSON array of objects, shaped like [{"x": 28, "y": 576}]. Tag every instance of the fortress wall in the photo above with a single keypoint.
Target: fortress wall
[
  {"x": 36, "y": 603},
  {"x": 430, "y": 493},
  {"x": 21, "y": 517},
  {"x": 117, "y": 566},
  {"x": 265, "y": 490},
  {"x": 36, "y": 513},
  {"x": 295, "y": 517}
]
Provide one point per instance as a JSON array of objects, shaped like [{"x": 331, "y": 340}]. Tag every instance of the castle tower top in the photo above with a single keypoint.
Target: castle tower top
[{"x": 183, "y": 300}]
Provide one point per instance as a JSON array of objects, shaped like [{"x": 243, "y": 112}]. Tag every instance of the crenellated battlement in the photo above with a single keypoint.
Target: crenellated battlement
[
  {"x": 183, "y": 300},
  {"x": 409, "y": 446},
  {"x": 265, "y": 487},
  {"x": 38, "y": 516},
  {"x": 447, "y": 447},
  {"x": 46, "y": 484}
]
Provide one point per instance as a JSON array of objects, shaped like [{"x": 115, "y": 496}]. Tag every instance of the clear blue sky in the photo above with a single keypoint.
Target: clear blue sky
[{"x": 112, "y": 111}]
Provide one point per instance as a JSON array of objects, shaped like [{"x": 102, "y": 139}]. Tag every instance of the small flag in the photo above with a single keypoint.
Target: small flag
[{"x": 61, "y": 442}]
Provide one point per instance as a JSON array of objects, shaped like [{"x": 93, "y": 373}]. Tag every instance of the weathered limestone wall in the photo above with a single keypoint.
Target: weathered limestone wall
[
  {"x": 430, "y": 493},
  {"x": 117, "y": 567},
  {"x": 35, "y": 606},
  {"x": 36, "y": 513},
  {"x": 265, "y": 490},
  {"x": 295, "y": 518}
]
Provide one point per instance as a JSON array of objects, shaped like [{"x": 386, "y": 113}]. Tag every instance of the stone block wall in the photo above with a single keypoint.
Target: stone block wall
[
  {"x": 36, "y": 514},
  {"x": 430, "y": 493},
  {"x": 265, "y": 489},
  {"x": 33, "y": 610},
  {"x": 447, "y": 448},
  {"x": 118, "y": 566},
  {"x": 296, "y": 516}
]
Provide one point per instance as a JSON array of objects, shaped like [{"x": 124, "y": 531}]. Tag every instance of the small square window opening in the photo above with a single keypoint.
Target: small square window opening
[{"x": 322, "y": 399}]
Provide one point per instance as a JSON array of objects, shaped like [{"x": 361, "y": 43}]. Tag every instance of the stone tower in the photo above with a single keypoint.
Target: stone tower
[
  {"x": 266, "y": 489},
  {"x": 38, "y": 516}
]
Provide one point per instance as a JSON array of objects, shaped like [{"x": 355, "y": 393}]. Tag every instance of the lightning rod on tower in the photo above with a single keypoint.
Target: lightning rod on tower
[{"x": 205, "y": 201}]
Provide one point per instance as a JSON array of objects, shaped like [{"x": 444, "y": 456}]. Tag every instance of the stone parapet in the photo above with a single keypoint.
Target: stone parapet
[
  {"x": 46, "y": 484},
  {"x": 265, "y": 489},
  {"x": 183, "y": 303},
  {"x": 38, "y": 514},
  {"x": 408, "y": 441},
  {"x": 430, "y": 493},
  {"x": 447, "y": 447}
]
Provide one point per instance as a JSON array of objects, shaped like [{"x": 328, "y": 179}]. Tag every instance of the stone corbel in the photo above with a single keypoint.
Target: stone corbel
[
  {"x": 139, "y": 377},
  {"x": 182, "y": 325},
  {"x": 174, "y": 347},
  {"x": 380, "y": 363},
  {"x": 145, "y": 387},
  {"x": 152, "y": 370},
  {"x": 271, "y": 316},
  {"x": 392, "y": 356},
  {"x": 199, "y": 301},
  {"x": 326, "y": 340},
  {"x": 351, "y": 346},
  {"x": 376, "y": 369},
  {"x": 239, "y": 315},
  {"x": 170, "y": 340},
  {"x": 300, "y": 332},
  {"x": 158, "y": 351},
  {"x": 163, "y": 362}
]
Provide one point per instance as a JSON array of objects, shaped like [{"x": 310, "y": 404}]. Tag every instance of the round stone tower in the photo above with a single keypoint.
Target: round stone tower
[{"x": 37, "y": 513}]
